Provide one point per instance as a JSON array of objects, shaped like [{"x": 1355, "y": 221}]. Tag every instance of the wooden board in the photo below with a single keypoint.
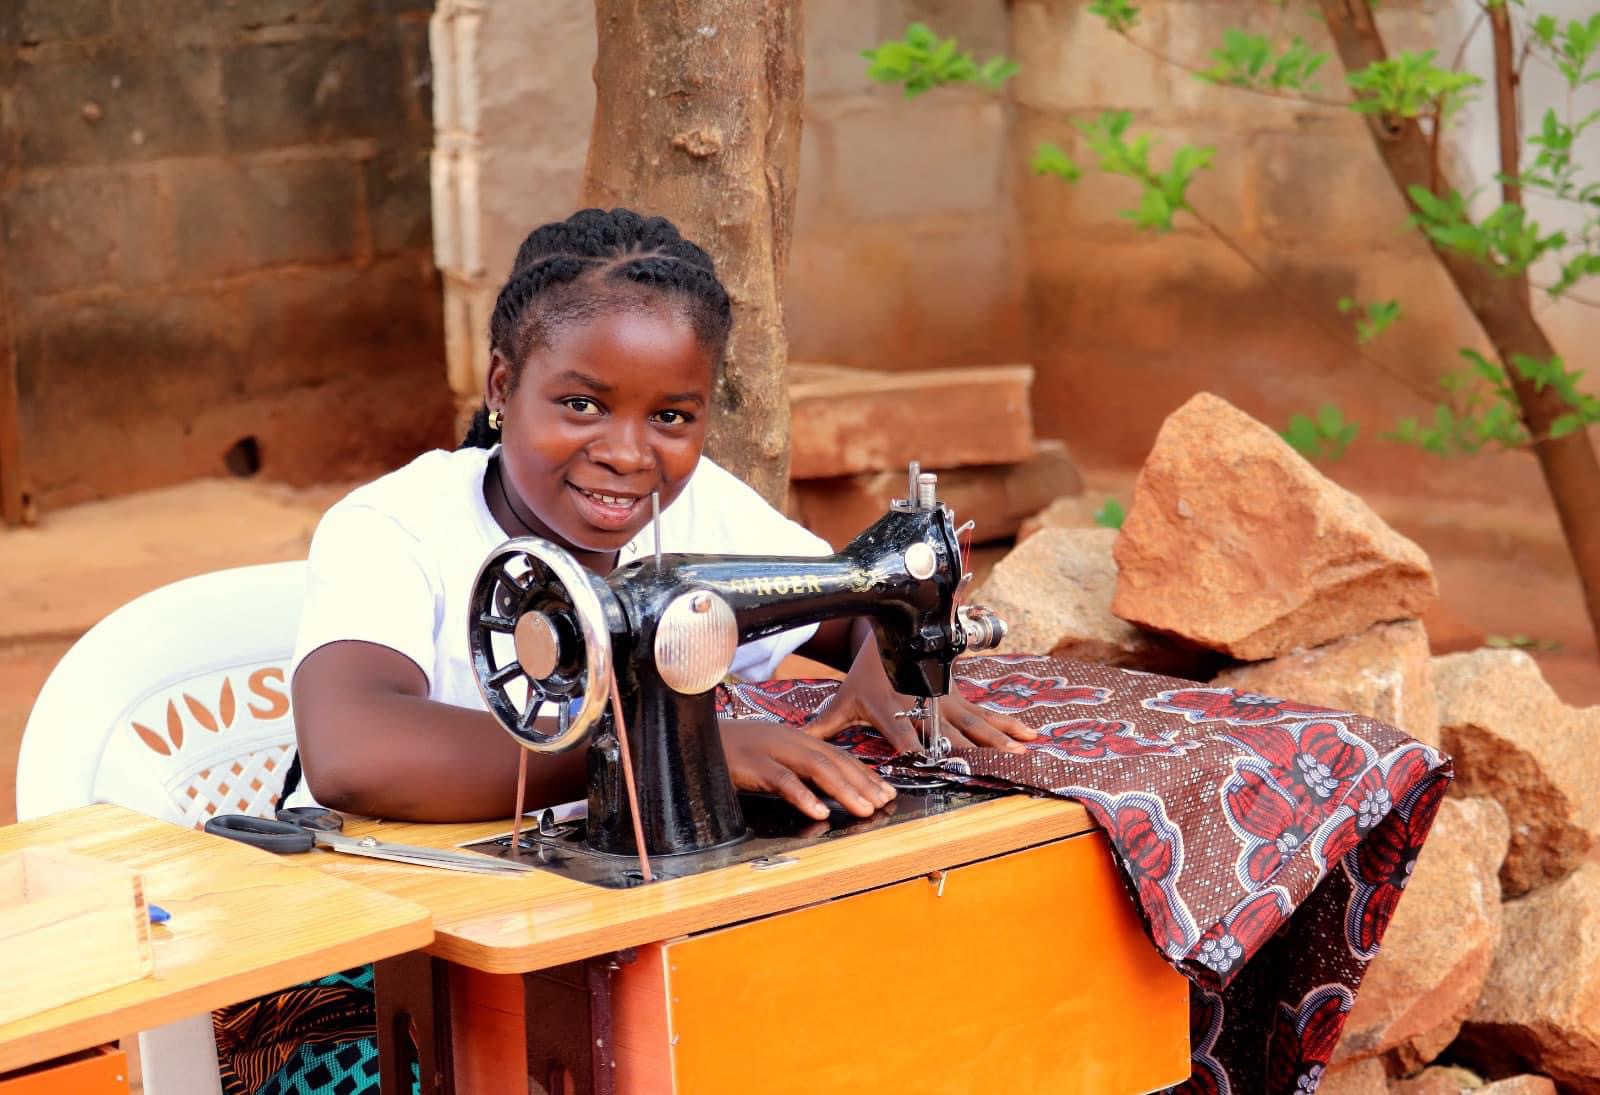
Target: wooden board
[
  {"x": 503, "y": 924},
  {"x": 1029, "y": 974},
  {"x": 244, "y": 922},
  {"x": 70, "y": 925}
]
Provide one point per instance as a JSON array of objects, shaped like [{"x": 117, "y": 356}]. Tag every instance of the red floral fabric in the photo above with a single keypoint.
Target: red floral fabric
[{"x": 1266, "y": 842}]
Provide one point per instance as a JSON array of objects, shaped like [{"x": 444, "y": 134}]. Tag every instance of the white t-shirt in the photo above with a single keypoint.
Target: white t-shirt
[{"x": 394, "y": 562}]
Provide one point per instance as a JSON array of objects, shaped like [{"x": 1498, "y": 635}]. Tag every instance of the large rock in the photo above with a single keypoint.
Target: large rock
[
  {"x": 1520, "y": 1085},
  {"x": 1513, "y": 738},
  {"x": 1072, "y": 511},
  {"x": 995, "y": 497},
  {"x": 1385, "y": 672},
  {"x": 1355, "y": 1078},
  {"x": 848, "y": 421},
  {"x": 1446, "y": 1080},
  {"x": 1234, "y": 542},
  {"x": 1541, "y": 1004},
  {"x": 1054, "y": 592},
  {"x": 1438, "y": 949}
]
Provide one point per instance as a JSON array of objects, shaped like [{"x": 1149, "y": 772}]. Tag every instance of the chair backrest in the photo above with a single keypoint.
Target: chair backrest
[{"x": 175, "y": 705}]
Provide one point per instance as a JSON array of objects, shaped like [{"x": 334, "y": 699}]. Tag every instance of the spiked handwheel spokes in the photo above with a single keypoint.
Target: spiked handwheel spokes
[{"x": 539, "y": 644}]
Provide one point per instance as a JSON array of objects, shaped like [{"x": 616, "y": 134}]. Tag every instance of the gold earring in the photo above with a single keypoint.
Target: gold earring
[{"x": 496, "y": 419}]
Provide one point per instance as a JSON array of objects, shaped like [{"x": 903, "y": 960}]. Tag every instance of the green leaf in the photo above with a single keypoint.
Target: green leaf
[
  {"x": 1051, "y": 159},
  {"x": 1110, "y": 515},
  {"x": 922, "y": 61},
  {"x": 1119, "y": 15}
]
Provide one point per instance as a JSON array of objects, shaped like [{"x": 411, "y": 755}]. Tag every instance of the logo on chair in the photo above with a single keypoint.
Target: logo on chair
[{"x": 266, "y": 685}]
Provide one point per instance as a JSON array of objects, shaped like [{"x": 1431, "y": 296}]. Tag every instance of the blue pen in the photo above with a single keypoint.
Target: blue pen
[{"x": 158, "y": 915}]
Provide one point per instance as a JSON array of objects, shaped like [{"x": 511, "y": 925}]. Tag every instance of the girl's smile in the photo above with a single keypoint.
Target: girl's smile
[{"x": 605, "y": 411}]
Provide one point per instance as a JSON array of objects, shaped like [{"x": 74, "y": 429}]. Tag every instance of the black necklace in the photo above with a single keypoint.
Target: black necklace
[{"x": 500, "y": 480}]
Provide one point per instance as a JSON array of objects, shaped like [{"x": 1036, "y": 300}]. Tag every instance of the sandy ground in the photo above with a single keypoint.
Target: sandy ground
[{"x": 1501, "y": 572}]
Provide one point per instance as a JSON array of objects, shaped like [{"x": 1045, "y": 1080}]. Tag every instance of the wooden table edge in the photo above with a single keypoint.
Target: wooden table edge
[{"x": 465, "y": 939}]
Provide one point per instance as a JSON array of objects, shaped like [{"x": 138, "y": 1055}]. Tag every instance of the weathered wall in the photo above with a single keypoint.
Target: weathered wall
[
  {"x": 1125, "y": 325},
  {"x": 907, "y": 250},
  {"x": 215, "y": 226}
]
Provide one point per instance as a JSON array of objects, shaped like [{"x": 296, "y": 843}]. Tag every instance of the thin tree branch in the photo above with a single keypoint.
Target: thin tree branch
[{"x": 1271, "y": 93}]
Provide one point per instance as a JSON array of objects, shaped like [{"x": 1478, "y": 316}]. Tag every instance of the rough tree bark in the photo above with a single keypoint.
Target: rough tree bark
[
  {"x": 1500, "y": 305},
  {"x": 697, "y": 118}
]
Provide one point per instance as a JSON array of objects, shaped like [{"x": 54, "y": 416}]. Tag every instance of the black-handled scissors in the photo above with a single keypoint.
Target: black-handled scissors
[{"x": 301, "y": 828}]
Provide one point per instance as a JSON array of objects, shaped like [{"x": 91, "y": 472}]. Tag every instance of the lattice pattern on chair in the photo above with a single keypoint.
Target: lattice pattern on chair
[{"x": 248, "y": 785}]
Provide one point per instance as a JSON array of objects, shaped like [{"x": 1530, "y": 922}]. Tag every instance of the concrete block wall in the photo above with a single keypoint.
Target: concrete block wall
[
  {"x": 1125, "y": 325},
  {"x": 513, "y": 103},
  {"x": 906, "y": 252},
  {"x": 215, "y": 226}
]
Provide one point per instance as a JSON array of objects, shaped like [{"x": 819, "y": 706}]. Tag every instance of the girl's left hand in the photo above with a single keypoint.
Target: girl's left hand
[{"x": 866, "y": 696}]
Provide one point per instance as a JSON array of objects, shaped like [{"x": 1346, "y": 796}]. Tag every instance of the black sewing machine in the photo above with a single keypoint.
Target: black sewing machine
[{"x": 550, "y": 640}]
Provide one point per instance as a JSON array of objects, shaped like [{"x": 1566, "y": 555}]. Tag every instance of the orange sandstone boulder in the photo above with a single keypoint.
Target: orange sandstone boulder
[
  {"x": 1447, "y": 1080},
  {"x": 1235, "y": 543},
  {"x": 1541, "y": 1004},
  {"x": 1440, "y": 944},
  {"x": 1385, "y": 672},
  {"x": 1513, "y": 739},
  {"x": 1355, "y": 1078},
  {"x": 1054, "y": 592}
]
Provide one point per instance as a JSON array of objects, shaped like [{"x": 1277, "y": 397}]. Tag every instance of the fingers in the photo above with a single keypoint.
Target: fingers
[
  {"x": 783, "y": 781},
  {"x": 856, "y": 787},
  {"x": 979, "y": 728}
]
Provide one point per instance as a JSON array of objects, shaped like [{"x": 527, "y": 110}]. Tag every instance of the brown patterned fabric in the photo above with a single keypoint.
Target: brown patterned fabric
[
  {"x": 256, "y": 1039},
  {"x": 1265, "y": 842}
]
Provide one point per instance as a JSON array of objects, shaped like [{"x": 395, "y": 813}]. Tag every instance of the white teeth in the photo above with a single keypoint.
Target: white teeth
[{"x": 608, "y": 499}]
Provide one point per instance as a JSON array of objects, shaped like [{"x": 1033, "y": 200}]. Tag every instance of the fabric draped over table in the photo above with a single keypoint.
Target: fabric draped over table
[{"x": 1265, "y": 842}]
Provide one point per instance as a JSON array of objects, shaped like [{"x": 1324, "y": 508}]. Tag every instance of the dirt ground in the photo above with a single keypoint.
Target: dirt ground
[{"x": 1501, "y": 572}]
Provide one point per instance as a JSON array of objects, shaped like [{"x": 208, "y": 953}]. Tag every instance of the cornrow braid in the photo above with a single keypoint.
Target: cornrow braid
[{"x": 575, "y": 269}]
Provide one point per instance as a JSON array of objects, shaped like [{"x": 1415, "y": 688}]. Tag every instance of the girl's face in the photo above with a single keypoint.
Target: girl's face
[{"x": 609, "y": 410}]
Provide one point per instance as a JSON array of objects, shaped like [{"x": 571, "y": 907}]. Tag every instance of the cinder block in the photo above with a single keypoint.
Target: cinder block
[
  {"x": 1072, "y": 62},
  {"x": 398, "y": 199},
  {"x": 302, "y": 325},
  {"x": 1195, "y": 27},
  {"x": 218, "y": 21},
  {"x": 982, "y": 27},
  {"x": 909, "y": 295},
  {"x": 446, "y": 216},
  {"x": 232, "y": 218},
  {"x": 53, "y": 20},
  {"x": 82, "y": 229},
  {"x": 1222, "y": 192},
  {"x": 944, "y": 154},
  {"x": 118, "y": 106},
  {"x": 849, "y": 421},
  {"x": 1326, "y": 187},
  {"x": 836, "y": 33},
  {"x": 460, "y": 338},
  {"x": 441, "y": 57},
  {"x": 520, "y": 187},
  {"x": 320, "y": 90},
  {"x": 417, "y": 75},
  {"x": 997, "y": 498}
]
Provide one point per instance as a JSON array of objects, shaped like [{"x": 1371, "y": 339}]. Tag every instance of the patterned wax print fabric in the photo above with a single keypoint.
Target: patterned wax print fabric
[
  {"x": 319, "y": 1038},
  {"x": 1265, "y": 841}
]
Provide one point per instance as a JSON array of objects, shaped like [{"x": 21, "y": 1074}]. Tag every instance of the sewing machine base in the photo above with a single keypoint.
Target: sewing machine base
[{"x": 773, "y": 828}]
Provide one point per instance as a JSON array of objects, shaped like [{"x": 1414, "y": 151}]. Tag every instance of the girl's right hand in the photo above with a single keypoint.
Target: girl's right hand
[{"x": 764, "y": 756}]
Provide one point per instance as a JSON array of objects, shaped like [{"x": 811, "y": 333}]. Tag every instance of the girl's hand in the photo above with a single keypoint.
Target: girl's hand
[
  {"x": 764, "y": 756},
  {"x": 866, "y": 696}
]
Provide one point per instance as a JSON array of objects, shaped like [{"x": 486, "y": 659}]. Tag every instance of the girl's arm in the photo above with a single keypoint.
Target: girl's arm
[{"x": 372, "y": 743}]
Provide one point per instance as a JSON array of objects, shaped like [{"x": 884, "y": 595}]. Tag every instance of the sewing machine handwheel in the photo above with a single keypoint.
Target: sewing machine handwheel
[{"x": 541, "y": 599}]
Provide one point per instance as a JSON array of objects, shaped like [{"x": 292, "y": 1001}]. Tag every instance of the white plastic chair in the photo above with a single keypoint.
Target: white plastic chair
[{"x": 175, "y": 705}]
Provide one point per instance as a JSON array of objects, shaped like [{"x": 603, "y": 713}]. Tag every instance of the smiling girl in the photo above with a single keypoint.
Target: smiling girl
[{"x": 606, "y": 343}]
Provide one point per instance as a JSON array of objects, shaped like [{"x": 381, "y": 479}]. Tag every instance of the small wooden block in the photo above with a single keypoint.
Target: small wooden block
[{"x": 70, "y": 926}]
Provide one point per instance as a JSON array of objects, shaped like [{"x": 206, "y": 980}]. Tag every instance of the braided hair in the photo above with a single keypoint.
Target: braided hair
[{"x": 572, "y": 270}]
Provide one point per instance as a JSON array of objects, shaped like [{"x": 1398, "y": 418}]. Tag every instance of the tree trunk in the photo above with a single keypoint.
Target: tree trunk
[
  {"x": 1500, "y": 305},
  {"x": 697, "y": 118}
]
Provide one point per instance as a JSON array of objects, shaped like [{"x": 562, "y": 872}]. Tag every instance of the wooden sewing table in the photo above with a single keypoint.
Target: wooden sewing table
[
  {"x": 993, "y": 948},
  {"x": 243, "y": 922}
]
